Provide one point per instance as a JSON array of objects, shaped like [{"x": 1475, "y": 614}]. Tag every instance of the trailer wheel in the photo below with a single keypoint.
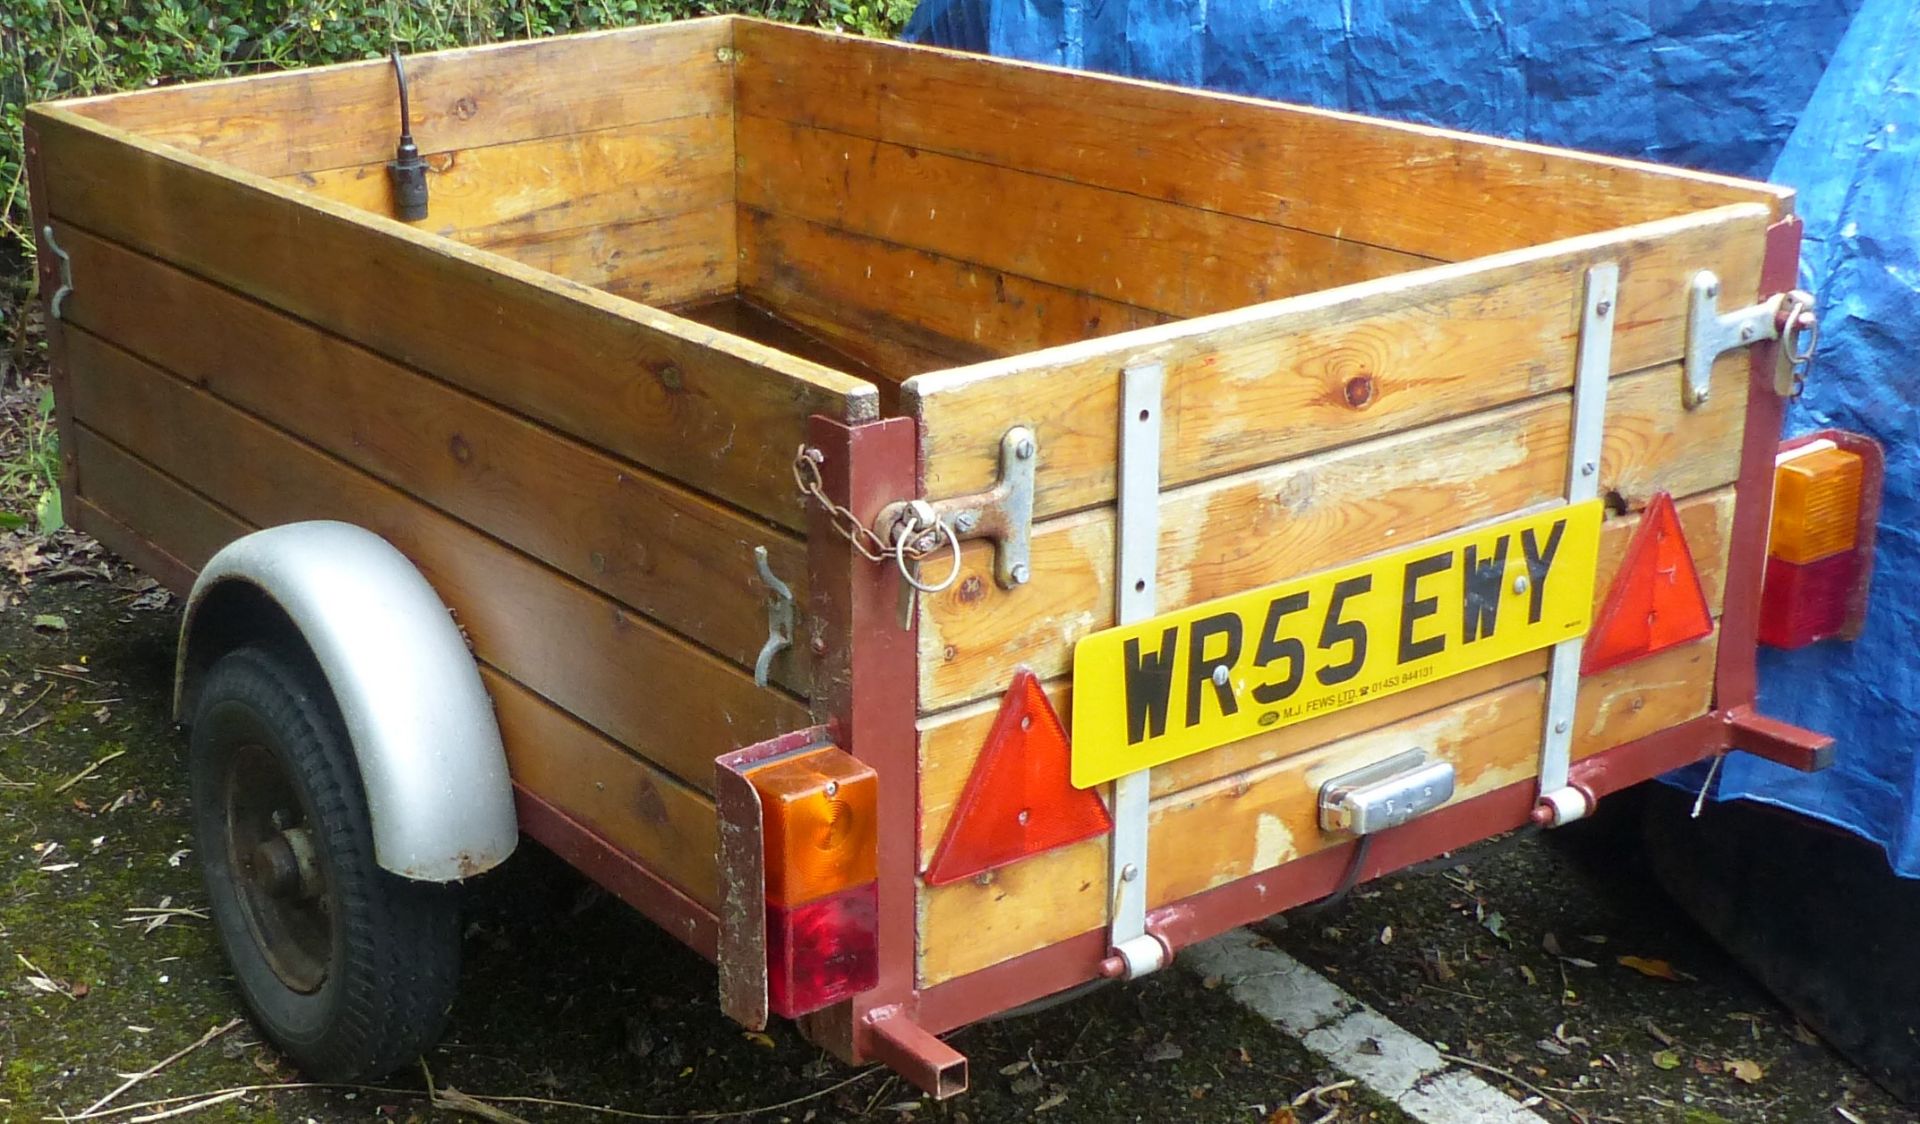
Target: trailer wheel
[{"x": 346, "y": 967}]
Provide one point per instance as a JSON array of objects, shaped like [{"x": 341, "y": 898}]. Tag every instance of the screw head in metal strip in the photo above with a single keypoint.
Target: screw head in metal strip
[
  {"x": 1024, "y": 450},
  {"x": 1588, "y": 468},
  {"x": 1520, "y": 583},
  {"x": 1560, "y": 727},
  {"x": 1021, "y": 574},
  {"x": 1129, "y": 872}
]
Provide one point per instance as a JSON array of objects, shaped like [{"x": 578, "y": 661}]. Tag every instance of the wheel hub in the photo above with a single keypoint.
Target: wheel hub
[{"x": 278, "y": 876}]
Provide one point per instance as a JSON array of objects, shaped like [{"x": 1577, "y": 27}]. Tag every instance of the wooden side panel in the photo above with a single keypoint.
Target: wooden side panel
[
  {"x": 1414, "y": 189},
  {"x": 1248, "y": 530},
  {"x": 645, "y": 207},
  {"x": 186, "y": 526},
  {"x": 665, "y": 551},
  {"x": 628, "y": 801},
  {"x": 1282, "y": 380},
  {"x": 640, "y": 685},
  {"x": 1155, "y": 255},
  {"x": 624, "y": 799},
  {"x": 905, "y": 311},
  {"x": 719, "y": 414},
  {"x": 1264, "y": 817},
  {"x": 348, "y": 115},
  {"x": 950, "y": 742}
]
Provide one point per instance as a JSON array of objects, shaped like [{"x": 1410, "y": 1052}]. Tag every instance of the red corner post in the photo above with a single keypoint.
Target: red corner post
[
  {"x": 866, "y": 691},
  {"x": 1736, "y": 672}
]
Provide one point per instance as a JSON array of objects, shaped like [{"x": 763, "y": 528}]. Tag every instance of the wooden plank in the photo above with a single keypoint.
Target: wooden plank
[
  {"x": 1240, "y": 532},
  {"x": 1255, "y": 820},
  {"x": 664, "y": 551},
  {"x": 568, "y": 182},
  {"x": 642, "y": 686},
  {"x": 658, "y": 262},
  {"x": 624, "y": 799},
  {"x": 950, "y": 742},
  {"x": 347, "y": 115},
  {"x": 1413, "y": 188},
  {"x": 719, "y": 414},
  {"x": 1173, "y": 259},
  {"x": 188, "y": 527},
  {"x": 1281, "y": 380},
  {"x": 907, "y": 311}
]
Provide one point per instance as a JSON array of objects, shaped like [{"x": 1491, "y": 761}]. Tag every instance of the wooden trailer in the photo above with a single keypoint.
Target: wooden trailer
[{"x": 697, "y": 308}]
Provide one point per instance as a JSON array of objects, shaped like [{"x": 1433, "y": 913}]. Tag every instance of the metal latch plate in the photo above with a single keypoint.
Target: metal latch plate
[{"x": 1385, "y": 794}]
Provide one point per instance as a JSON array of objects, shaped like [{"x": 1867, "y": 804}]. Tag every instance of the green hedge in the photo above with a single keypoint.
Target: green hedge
[{"x": 59, "y": 48}]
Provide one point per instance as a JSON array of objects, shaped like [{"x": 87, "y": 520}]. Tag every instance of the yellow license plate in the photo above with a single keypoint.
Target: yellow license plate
[{"x": 1151, "y": 692}]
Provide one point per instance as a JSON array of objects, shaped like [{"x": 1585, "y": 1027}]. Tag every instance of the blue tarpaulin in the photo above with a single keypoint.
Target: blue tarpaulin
[
  {"x": 1855, "y": 159},
  {"x": 1713, "y": 84}
]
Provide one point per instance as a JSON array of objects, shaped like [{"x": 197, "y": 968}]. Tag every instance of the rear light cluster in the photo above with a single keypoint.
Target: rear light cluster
[
  {"x": 818, "y": 818},
  {"x": 1825, "y": 500}
]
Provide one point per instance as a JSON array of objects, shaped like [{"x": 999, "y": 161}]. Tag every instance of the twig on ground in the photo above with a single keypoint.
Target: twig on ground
[
  {"x": 1530, "y": 1087},
  {"x": 36, "y": 700},
  {"x": 54, "y": 671},
  {"x": 95, "y": 1113},
  {"x": 1314, "y": 1094},
  {"x": 86, "y": 772},
  {"x": 196, "y": 1106},
  {"x": 161, "y": 1064},
  {"x": 30, "y": 727}
]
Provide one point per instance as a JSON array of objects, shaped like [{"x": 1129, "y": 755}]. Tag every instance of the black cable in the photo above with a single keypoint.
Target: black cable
[{"x": 1355, "y": 864}]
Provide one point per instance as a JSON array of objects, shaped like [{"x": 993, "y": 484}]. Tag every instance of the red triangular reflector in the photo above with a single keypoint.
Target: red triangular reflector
[
  {"x": 1019, "y": 800},
  {"x": 1656, "y": 601}
]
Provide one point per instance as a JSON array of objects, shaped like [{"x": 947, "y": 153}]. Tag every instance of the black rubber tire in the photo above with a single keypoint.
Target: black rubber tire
[{"x": 392, "y": 945}]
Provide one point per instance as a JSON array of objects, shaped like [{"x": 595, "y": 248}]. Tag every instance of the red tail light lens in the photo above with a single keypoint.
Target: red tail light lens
[
  {"x": 822, "y": 952},
  {"x": 1826, "y": 498}
]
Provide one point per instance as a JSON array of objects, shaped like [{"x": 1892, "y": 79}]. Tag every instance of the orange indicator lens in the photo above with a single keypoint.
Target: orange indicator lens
[
  {"x": 1816, "y": 506},
  {"x": 818, "y": 812}
]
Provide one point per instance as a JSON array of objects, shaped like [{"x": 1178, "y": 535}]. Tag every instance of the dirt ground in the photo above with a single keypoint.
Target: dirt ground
[{"x": 107, "y": 966}]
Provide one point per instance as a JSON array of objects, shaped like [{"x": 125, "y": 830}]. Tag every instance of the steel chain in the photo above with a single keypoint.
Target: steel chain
[{"x": 912, "y": 539}]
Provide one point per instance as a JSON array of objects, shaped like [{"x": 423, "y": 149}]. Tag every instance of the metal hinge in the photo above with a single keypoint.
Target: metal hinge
[
  {"x": 1711, "y": 333},
  {"x": 1003, "y": 513}
]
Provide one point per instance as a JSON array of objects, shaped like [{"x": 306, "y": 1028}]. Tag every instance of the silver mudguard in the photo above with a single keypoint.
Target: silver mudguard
[{"x": 419, "y": 718}]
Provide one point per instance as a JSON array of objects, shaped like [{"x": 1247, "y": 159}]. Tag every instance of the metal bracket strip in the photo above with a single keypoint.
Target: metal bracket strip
[
  {"x": 1137, "y": 554},
  {"x": 1592, "y": 368}
]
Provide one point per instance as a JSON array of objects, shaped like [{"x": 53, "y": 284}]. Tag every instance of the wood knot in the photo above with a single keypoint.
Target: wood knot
[
  {"x": 971, "y": 590},
  {"x": 462, "y": 452},
  {"x": 670, "y": 377},
  {"x": 466, "y": 108},
  {"x": 1359, "y": 391}
]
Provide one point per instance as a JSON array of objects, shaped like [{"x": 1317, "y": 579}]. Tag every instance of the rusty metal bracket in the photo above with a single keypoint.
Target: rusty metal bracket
[
  {"x": 742, "y": 957},
  {"x": 779, "y": 618},
  {"x": 1003, "y": 513},
  {"x": 1711, "y": 333}
]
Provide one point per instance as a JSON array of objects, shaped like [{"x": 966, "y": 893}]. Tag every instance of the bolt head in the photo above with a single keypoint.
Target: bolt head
[
  {"x": 1588, "y": 468},
  {"x": 1220, "y": 675},
  {"x": 966, "y": 521},
  {"x": 1520, "y": 583},
  {"x": 1021, "y": 575},
  {"x": 1603, "y": 308},
  {"x": 1129, "y": 873},
  {"x": 1560, "y": 727}
]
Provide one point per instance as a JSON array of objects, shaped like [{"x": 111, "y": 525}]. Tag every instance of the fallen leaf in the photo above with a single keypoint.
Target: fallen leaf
[
  {"x": 1212, "y": 983},
  {"x": 759, "y": 1039},
  {"x": 1163, "y": 1052},
  {"x": 1283, "y": 1115},
  {"x": 1554, "y": 1048},
  {"x": 1496, "y": 924},
  {"x": 1666, "y": 1059},
  {"x": 1054, "y": 1101},
  {"x": 1552, "y": 944},
  {"x": 1012, "y": 1068},
  {"x": 1578, "y": 962},
  {"x": 1746, "y": 1070},
  {"x": 1659, "y": 1035},
  {"x": 1802, "y": 1033},
  {"x": 1386, "y": 935},
  {"x": 1654, "y": 969},
  {"x": 1532, "y": 979},
  {"x": 50, "y": 622}
]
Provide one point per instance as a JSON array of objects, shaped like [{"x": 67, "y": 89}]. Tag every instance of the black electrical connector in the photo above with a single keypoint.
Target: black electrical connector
[{"x": 408, "y": 171}]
